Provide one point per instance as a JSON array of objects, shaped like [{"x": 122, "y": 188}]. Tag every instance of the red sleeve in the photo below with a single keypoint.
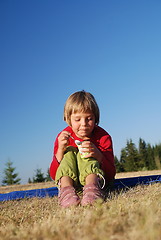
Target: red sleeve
[
  {"x": 108, "y": 165},
  {"x": 54, "y": 164}
]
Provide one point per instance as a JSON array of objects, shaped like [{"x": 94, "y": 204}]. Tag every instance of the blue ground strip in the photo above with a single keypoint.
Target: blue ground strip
[
  {"x": 134, "y": 181},
  {"x": 121, "y": 183},
  {"x": 44, "y": 192}
]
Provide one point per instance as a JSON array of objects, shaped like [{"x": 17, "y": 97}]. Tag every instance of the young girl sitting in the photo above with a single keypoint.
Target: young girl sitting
[{"x": 83, "y": 153}]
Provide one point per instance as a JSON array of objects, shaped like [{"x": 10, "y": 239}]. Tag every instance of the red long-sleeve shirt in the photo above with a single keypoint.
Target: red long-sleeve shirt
[{"x": 102, "y": 140}]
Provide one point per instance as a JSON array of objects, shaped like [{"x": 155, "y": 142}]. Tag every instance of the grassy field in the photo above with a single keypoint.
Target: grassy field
[{"x": 134, "y": 214}]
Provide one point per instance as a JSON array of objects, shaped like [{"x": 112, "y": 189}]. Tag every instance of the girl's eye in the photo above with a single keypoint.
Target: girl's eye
[{"x": 77, "y": 120}]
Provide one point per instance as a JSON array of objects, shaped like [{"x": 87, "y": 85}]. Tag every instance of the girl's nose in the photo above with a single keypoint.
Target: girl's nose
[{"x": 83, "y": 122}]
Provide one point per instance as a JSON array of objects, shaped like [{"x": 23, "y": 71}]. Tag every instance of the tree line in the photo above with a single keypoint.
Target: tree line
[
  {"x": 132, "y": 158},
  {"x": 10, "y": 177},
  {"x": 141, "y": 158}
]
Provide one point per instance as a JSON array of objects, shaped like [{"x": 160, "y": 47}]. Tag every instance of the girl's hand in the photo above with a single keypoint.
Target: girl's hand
[
  {"x": 63, "y": 141},
  {"x": 89, "y": 147}
]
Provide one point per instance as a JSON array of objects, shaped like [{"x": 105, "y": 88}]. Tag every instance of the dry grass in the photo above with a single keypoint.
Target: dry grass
[{"x": 134, "y": 214}]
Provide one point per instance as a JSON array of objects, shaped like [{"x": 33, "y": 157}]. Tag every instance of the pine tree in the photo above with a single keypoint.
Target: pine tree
[
  {"x": 143, "y": 155},
  {"x": 10, "y": 177},
  {"x": 150, "y": 157},
  {"x": 39, "y": 176},
  {"x": 130, "y": 157},
  {"x": 29, "y": 180},
  {"x": 123, "y": 159},
  {"x": 48, "y": 178},
  {"x": 157, "y": 156},
  {"x": 119, "y": 166}
]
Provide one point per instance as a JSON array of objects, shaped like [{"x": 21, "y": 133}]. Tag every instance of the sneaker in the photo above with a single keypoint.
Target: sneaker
[
  {"x": 67, "y": 197},
  {"x": 91, "y": 194}
]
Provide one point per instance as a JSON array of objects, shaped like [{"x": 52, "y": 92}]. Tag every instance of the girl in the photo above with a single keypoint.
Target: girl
[{"x": 83, "y": 153}]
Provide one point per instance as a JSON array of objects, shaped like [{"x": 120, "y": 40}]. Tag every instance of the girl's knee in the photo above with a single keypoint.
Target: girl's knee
[
  {"x": 92, "y": 171},
  {"x": 68, "y": 165}
]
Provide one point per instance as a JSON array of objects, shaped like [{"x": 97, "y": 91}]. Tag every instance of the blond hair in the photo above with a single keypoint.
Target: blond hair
[{"x": 81, "y": 101}]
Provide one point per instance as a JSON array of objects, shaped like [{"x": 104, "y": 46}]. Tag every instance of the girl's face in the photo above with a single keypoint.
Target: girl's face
[{"x": 83, "y": 124}]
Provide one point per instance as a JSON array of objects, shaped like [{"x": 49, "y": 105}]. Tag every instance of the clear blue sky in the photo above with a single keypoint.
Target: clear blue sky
[{"x": 50, "y": 49}]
